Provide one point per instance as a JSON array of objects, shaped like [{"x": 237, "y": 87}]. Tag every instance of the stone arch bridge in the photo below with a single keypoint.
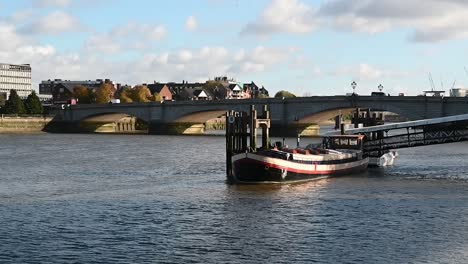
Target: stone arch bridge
[{"x": 187, "y": 117}]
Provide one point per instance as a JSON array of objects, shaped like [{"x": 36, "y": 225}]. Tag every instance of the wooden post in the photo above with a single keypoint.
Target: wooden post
[
  {"x": 237, "y": 134},
  {"x": 229, "y": 142},
  {"x": 356, "y": 118},
  {"x": 338, "y": 120},
  {"x": 265, "y": 129},
  {"x": 253, "y": 128}
]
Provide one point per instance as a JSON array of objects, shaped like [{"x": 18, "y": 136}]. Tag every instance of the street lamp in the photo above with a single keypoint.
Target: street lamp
[
  {"x": 380, "y": 87},
  {"x": 353, "y": 85}
]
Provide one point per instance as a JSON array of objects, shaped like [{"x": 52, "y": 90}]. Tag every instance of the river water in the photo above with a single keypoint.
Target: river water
[{"x": 75, "y": 198}]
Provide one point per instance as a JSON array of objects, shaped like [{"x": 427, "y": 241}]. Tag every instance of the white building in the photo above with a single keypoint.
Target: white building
[{"x": 15, "y": 77}]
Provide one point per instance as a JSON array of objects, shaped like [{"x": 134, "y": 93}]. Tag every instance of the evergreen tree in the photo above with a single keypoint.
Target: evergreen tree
[
  {"x": 2, "y": 99},
  {"x": 284, "y": 94},
  {"x": 33, "y": 105},
  {"x": 14, "y": 105}
]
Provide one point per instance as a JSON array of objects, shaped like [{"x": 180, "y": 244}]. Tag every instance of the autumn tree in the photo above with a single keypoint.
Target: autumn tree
[
  {"x": 14, "y": 105},
  {"x": 157, "y": 97},
  {"x": 82, "y": 94},
  {"x": 33, "y": 105},
  {"x": 104, "y": 93},
  {"x": 284, "y": 94},
  {"x": 126, "y": 95},
  {"x": 141, "y": 94}
]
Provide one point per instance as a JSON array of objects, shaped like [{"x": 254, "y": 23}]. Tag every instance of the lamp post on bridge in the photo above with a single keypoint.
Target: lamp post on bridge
[
  {"x": 380, "y": 87},
  {"x": 353, "y": 85}
]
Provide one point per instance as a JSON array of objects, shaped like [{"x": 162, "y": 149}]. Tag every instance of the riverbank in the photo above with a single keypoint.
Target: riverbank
[{"x": 20, "y": 124}]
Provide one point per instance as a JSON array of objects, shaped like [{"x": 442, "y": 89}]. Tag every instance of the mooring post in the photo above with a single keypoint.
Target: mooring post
[
  {"x": 265, "y": 129},
  {"x": 253, "y": 128},
  {"x": 356, "y": 118},
  {"x": 338, "y": 120},
  {"x": 228, "y": 144}
]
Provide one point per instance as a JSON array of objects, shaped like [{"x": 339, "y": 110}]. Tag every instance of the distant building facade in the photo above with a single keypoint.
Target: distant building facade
[
  {"x": 15, "y": 77},
  {"x": 254, "y": 91},
  {"x": 162, "y": 89},
  {"x": 220, "y": 88},
  {"x": 61, "y": 90}
]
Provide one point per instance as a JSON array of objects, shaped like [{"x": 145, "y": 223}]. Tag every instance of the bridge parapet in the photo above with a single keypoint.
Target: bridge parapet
[{"x": 284, "y": 112}]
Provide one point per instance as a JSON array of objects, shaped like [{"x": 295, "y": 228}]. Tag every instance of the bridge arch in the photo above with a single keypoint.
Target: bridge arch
[{"x": 112, "y": 123}]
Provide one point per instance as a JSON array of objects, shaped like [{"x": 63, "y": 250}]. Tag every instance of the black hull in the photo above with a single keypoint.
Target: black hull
[{"x": 251, "y": 171}]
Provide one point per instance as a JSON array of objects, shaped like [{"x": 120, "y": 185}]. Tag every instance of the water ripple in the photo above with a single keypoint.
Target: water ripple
[{"x": 155, "y": 199}]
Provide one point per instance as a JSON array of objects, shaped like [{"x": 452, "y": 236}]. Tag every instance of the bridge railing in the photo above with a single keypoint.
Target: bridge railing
[{"x": 377, "y": 147}]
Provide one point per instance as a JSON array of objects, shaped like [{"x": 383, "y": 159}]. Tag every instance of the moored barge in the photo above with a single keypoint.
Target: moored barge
[{"x": 337, "y": 155}]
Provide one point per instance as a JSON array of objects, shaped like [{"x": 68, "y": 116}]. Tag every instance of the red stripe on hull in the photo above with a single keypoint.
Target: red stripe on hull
[{"x": 299, "y": 171}]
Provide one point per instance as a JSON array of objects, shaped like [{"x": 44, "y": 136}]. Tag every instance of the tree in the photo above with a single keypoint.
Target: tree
[
  {"x": 82, "y": 94},
  {"x": 126, "y": 95},
  {"x": 104, "y": 93},
  {"x": 213, "y": 88},
  {"x": 92, "y": 96},
  {"x": 33, "y": 105},
  {"x": 157, "y": 97},
  {"x": 14, "y": 105},
  {"x": 284, "y": 94},
  {"x": 210, "y": 86},
  {"x": 2, "y": 99},
  {"x": 141, "y": 94}
]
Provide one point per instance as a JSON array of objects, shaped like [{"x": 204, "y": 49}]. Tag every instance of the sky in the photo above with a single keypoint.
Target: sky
[{"x": 307, "y": 47}]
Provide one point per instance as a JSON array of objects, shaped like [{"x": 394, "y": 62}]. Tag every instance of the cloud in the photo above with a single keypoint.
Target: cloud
[
  {"x": 9, "y": 39},
  {"x": 430, "y": 20},
  {"x": 259, "y": 59},
  {"x": 131, "y": 36},
  {"x": 191, "y": 23},
  {"x": 46, "y": 50},
  {"x": 427, "y": 20},
  {"x": 57, "y": 22},
  {"x": 201, "y": 64},
  {"x": 283, "y": 16},
  {"x": 102, "y": 43},
  {"x": 365, "y": 72},
  {"x": 150, "y": 32},
  {"x": 52, "y": 3}
]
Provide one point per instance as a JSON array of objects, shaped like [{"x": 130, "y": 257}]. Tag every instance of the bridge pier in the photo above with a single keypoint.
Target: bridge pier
[
  {"x": 176, "y": 128},
  {"x": 123, "y": 125},
  {"x": 62, "y": 126}
]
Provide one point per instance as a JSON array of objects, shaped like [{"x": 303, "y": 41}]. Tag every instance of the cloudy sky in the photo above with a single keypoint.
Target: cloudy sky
[{"x": 308, "y": 47}]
